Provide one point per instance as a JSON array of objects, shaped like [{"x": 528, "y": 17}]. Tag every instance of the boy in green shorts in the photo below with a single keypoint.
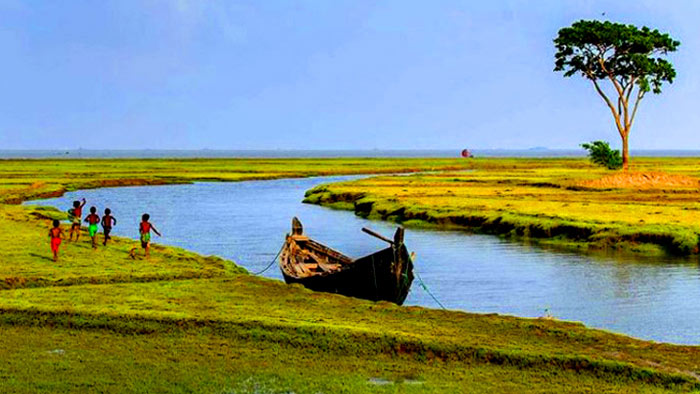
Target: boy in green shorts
[
  {"x": 93, "y": 220},
  {"x": 145, "y": 228}
]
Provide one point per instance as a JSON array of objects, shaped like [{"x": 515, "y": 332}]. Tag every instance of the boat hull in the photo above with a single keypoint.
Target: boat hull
[{"x": 382, "y": 276}]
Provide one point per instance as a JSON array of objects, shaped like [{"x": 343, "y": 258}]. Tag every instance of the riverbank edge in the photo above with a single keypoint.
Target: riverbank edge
[{"x": 559, "y": 234}]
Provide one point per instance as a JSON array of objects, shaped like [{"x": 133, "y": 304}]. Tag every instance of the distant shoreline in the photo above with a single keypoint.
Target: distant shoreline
[{"x": 341, "y": 153}]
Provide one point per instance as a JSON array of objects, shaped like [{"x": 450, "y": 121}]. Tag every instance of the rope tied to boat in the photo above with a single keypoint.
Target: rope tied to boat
[
  {"x": 424, "y": 286},
  {"x": 271, "y": 262}
]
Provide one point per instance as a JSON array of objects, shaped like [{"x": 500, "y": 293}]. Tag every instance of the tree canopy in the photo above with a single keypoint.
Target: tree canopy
[{"x": 626, "y": 56}]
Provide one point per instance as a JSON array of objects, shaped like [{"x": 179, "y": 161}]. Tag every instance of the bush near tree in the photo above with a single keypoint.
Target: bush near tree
[{"x": 600, "y": 153}]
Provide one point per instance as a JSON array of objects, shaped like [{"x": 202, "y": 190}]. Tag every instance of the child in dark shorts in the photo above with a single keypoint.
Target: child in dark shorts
[{"x": 107, "y": 222}]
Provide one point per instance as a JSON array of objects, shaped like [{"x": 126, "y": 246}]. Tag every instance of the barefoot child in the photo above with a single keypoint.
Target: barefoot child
[
  {"x": 55, "y": 234},
  {"x": 145, "y": 228},
  {"x": 93, "y": 220},
  {"x": 75, "y": 215},
  {"x": 107, "y": 222}
]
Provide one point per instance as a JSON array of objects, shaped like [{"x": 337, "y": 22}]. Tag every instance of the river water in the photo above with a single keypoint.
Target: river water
[{"x": 246, "y": 222}]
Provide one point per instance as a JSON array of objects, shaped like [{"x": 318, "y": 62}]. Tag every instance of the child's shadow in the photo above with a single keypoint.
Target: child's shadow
[{"x": 41, "y": 257}]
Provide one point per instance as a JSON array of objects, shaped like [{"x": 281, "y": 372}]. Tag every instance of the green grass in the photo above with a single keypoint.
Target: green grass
[
  {"x": 65, "y": 360},
  {"x": 232, "y": 306},
  {"x": 99, "y": 321},
  {"x": 544, "y": 200},
  {"x": 27, "y": 260}
]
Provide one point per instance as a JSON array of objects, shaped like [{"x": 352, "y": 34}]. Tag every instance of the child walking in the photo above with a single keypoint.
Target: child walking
[
  {"x": 55, "y": 235},
  {"x": 93, "y": 219},
  {"x": 75, "y": 215},
  {"x": 107, "y": 222},
  {"x": 145, "y": 228}
]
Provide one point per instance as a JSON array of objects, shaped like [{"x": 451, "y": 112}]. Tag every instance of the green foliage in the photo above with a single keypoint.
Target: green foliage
[
  {"x": 600, "y": 153},
  {"x": 601, "y": 50}
]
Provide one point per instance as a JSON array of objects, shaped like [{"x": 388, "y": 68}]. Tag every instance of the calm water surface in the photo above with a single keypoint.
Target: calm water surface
[{"x": 246, "y": 222}]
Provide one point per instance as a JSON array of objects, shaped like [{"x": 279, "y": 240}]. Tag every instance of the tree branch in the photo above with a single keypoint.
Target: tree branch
[
  {"x": 631, "y": 86},
  {"x": 622, "y": 100},
  {"x": 610, "y": 105},
  {"x": 640, "y": 96},
  {"x": 601, "y": 61}
]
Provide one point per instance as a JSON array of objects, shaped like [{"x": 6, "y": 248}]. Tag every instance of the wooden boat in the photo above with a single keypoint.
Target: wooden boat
[{"x": 384, "y": 275}]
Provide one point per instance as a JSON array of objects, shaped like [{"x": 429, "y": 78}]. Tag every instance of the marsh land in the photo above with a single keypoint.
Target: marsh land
[
  {"x": 99, "y": 321},
  {"x": 246, "y": 222},
  {"x": 653, "y": 209}
]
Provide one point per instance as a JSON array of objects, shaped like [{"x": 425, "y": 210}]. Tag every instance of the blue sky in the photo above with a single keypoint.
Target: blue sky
[{"x": 322, "y": 75}]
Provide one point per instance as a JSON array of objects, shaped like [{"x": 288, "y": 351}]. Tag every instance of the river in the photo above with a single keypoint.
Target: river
[{"x": 654, "y": 299}]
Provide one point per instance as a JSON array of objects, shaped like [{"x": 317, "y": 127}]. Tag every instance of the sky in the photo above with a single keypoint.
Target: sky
[{"x": 360, "y": 74}]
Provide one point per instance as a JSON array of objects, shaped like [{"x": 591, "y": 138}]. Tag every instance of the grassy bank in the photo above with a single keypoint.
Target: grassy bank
[
  {"x": 565, "y": 202},
  {"x": 179, "y": 322},
  {"x": 22, "y": 180}
]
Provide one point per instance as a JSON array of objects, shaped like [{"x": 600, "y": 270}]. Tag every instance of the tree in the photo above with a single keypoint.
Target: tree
[{"x": 623, "y": 55}]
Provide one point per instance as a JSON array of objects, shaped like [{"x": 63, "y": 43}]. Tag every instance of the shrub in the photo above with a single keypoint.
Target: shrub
[{"x": 600, "y": 153}]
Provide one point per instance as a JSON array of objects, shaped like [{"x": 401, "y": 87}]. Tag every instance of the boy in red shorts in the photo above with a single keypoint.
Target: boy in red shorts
[{"x": 55, "y": 235}]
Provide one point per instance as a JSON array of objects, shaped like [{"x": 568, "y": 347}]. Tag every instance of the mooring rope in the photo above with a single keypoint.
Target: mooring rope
[
  {"x": 425, "y": 287},
  {"x": 271, "y": 262}
]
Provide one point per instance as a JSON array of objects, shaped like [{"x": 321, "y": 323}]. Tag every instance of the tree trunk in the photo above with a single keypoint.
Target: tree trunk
[{"x": 625, "y": 153}]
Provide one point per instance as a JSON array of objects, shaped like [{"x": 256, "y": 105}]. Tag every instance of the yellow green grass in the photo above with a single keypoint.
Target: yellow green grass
[
  {"x": 55, "y": 359},
  {"x": 21, "y": 180},
  {"x": 98, "y": 321},
  {"x": 26, "y": 263},
  {"x": 541, "y": 199}
]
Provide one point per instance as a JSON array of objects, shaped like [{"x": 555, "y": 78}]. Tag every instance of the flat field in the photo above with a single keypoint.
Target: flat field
[
  {"x": 565, "y": 202},
  {"x": 98, "y": 321},
  {"x": 21, "y": 180}
]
